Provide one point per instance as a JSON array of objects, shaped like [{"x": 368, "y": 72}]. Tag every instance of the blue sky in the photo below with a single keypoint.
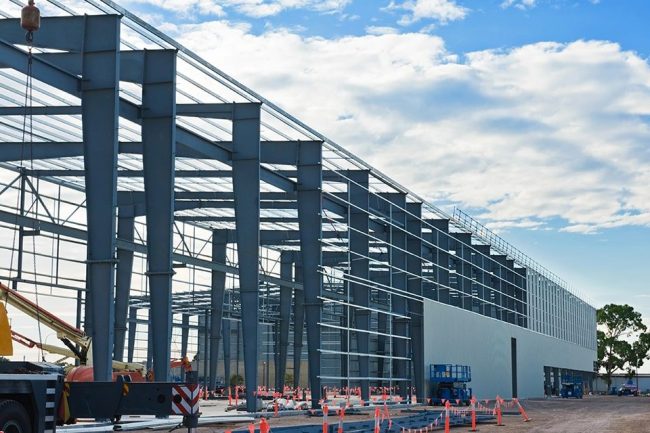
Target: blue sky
[
  {"x": 532, "y": 115},
  {"x": 487, "y": 24}
]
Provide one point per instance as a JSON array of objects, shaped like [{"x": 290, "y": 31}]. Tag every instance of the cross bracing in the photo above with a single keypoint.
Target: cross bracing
[{"x": 162, "y": 189}]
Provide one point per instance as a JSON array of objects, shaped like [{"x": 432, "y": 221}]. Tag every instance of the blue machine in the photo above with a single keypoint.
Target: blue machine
[
  {"x": 449, "y": 382},
  {"x": 571, "y": 386}
]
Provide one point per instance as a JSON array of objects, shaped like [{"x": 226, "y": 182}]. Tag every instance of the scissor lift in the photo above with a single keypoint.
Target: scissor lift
[{"x": 449, "y": 382}]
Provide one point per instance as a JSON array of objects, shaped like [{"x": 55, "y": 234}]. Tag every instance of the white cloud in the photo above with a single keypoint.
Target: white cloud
[
  {"x": 381, "y": 30},
  {"x": 521, "y": 137},
  {"x": 251, "y": 8},
  {"x": 519, "y": 4},
  {"x": 439, "y": 10},
  {"x": 183, "y": 7}
]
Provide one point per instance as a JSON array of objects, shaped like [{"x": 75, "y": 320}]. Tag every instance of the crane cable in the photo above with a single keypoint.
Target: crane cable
[{"x": 30, "y": 20}]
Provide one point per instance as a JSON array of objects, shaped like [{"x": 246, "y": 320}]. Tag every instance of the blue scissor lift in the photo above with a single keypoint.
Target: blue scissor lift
[
  {"x": 449, "y": 382},
  {"x": 571, "y": 386}
]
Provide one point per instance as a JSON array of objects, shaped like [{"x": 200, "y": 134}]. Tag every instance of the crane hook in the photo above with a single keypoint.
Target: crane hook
[{"x": 30, "y": 20}]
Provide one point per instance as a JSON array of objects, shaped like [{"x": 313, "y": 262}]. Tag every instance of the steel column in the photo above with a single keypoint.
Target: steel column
[
  {"x": 99, "y": 101},
  {"x": 246, "y": 186},
  {"x": 345, "y": 347},
  {"x": 185, "y": 334},
  {"x": 286, "y": 273},
  {"x": 219, "y": 245},
  {"x": 225, "y": 330},
  {"x": 201, "y": 346},
  {"x": 21, "y": 230},
  {"x": 310, "y": 180},
  {"x": 133, "y": 325},
  {"x": 398, "y": 280},
  {"x": 125, "y": 225},
  {"x": 159, "y": 154},
  {"x": 358, "y": 229},
  {"x": 298, "y": 327},
  {"x": 206, "y": 346},
  {"x": 415, "y": 308},
  {"x": 149, "y": 344}
]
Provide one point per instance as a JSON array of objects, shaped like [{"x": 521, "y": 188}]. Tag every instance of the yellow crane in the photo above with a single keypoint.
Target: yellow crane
[
  {"x": 68, "y": 334},
  {"x": 79, "y": 345}
]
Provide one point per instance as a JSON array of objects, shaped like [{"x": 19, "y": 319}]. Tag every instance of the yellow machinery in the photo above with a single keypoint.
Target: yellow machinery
[
  {"x": 75, "y": 339},
  {"x": 79, "y": 345},
  {"x": 6, "y": 348}
]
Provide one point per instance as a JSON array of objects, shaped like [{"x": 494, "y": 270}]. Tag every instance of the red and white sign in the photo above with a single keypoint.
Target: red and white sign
[{"x": 185, "y": 399}]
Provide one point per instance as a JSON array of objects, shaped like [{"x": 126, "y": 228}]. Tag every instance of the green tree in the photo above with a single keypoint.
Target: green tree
[
  {"x": 620, "y": 324},
  {"x": 638, "y": 354}
]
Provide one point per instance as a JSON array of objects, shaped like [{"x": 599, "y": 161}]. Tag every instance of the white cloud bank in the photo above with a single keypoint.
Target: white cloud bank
[
  {"x": 251, "y": 8},
  {"x": 520, "y": 137}
]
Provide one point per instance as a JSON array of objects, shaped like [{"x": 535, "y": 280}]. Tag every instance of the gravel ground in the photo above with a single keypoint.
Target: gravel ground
[{"x": 590, "y": 415}]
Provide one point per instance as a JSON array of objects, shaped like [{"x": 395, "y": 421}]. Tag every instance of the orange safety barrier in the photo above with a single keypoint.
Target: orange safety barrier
[
  {"x": 522, "y": 411},
  {"x": 473, "y": 403},
  {"x": 447, "y": 424},
  {"x": 264, "y": 426},
  {"x": 325, "y": 426},
  {"x": 341, "y": 418},
  {"x": 376, "y": 419},
  {"x": 498, "y": 411}
]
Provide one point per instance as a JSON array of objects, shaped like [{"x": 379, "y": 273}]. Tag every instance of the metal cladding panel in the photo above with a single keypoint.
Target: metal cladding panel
[{"x": 455, "y": 336}]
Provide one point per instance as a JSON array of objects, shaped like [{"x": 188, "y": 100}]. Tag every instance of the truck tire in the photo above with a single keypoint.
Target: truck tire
[{"x": 14, "y": 417}]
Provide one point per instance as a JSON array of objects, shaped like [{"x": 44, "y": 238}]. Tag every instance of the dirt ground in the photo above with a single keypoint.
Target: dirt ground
[{"x": 590, "y": 415}]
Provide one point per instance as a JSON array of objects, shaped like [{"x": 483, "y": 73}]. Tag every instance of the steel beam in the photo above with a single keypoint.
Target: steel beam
[
  {"x": 99, "y": 101},
  {"x": 272, "y": 152},
  {"x": 246, "y": 186},
  {"x": 219, "y": 249},
  {"x": 159, "y": 154},
  {"x": 310, "y": 181},
  {"x": 74, "y": 233},
  {"x": 60, "y": 33},
  {"x": 125, "y": 227},
  {"x": 16, "y": 58},
  {"x": 286, "y": 273},
  {"x": 51, "y": 110}
]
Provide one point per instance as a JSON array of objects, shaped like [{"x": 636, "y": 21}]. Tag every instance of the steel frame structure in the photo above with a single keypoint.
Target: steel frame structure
[{"x": 190, "y": 202}]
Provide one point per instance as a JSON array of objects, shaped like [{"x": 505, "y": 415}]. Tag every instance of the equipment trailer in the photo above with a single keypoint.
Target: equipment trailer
[{"x": 34, "y": 398}]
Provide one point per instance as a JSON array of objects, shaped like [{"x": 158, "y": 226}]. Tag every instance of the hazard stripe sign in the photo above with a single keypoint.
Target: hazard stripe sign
[{"x": 185, "y": 399}]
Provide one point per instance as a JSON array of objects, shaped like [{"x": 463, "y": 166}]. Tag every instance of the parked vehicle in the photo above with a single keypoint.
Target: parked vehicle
[{"x": 628, "y": 389}]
